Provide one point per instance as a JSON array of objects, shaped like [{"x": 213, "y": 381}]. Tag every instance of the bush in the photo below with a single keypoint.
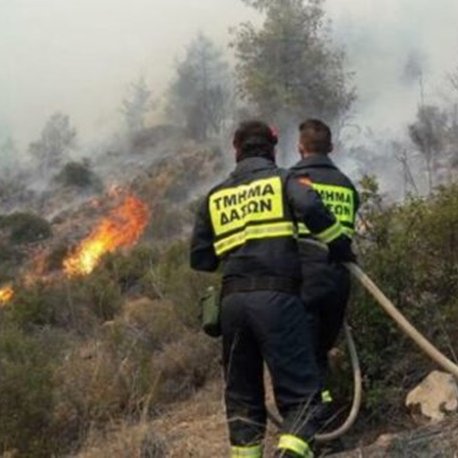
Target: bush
[
  {"x": 143, "y": 359},
  {"x": 182, "y": 285},
  {"x": 11, "y": 257},
  {"x": 100, "y": 293},
  {"x": 79, "y": 175},
  {"x": 128, "y": 270},
  {"x": 26, "y": 387},
  {"x": 56, "y": 257},
  {"x": 25, "y": 227},
  {"x": 185, "y": 365},
  {"x": 34, "y": 306},
  {"x": 78, "y": 304},
  {"x": 411, "y": 251}
]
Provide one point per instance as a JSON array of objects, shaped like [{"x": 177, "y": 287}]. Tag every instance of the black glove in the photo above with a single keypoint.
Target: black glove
[{"x": 340, "y": 250}]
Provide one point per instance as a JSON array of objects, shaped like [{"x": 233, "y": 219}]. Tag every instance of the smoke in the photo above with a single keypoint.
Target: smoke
[
  {"x": 79, "y": 58},
  {"x": 401, "y": 52},
  {"x": 390, "y": 44}
]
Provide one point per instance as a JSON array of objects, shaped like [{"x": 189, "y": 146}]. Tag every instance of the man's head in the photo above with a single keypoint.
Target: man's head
[
  {"x": 254, "y": 139},
  {"x": 315, "y": 138}
]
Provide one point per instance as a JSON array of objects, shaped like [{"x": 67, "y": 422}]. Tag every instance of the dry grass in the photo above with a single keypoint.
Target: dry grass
[{"x": 138, "y": 441}]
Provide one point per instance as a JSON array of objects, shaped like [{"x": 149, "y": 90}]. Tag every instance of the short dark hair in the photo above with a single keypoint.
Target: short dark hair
[
  {"x": 316, "y": 136},
  {"x": 255, "y": 138}
]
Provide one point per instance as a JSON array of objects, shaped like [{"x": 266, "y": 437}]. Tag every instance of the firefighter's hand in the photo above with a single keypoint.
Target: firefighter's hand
[{"x": 340, "y": 250}]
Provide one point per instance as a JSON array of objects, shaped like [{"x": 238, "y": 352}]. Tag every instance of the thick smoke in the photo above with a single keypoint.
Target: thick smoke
[
  {"x": 80, "y": 60},
  {"x": 401, "y": 52}
]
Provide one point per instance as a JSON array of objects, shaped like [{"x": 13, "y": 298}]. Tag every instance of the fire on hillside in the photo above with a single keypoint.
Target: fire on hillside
[
  {"x": 121, "y": 228},
  {"x": 6, "y": 294}
]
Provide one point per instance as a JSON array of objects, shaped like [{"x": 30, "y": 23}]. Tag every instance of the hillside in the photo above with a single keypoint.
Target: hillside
[{"x": 106, "y": 358}]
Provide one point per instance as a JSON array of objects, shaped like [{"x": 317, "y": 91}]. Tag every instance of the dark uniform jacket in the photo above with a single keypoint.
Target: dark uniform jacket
[
  {"x": 322, "y": 280},
  {"x": 335, "y": 188},
  {"x": 246, "y": 223}
]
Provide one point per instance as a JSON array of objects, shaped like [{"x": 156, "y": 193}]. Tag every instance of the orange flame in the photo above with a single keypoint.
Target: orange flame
[
  {"x": 123, "y": 227},
  {"x": 6, "y": 294}
]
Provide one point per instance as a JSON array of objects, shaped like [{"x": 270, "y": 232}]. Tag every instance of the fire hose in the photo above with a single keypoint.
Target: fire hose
[
  {"x": 404, "y": 325},
  {"x": 402, "y": 322},
  {"x": 357, "y": 394}
]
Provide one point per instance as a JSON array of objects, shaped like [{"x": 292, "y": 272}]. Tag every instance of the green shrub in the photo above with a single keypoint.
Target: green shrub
[
  {"x": 100, "y": 293},
  {"x": 77, "y": 304},
  {"x": 185, "y": 365},
  {"x": 180, "y": 284},
  {"x": 11, "y": 258},
  {"x": 411, "y": 251},
  {"x": 79, "y": 175},
  {"x": 56, "y": 257},
  {"x": 36, "y": 305},
  {"x": 25, "y": 227},
  {"x": 128, "y": 270},
  {"x": 26, "y": 387}
]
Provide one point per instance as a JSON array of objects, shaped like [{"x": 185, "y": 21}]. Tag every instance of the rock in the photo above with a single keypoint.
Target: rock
[
  {"x": 435, "y": 396},
  {"x": 385, "y": 440}
]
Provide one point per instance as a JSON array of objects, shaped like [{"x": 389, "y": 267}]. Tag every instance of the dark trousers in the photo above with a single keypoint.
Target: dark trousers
[
  {"x": 270, "y": 327},
  {"x": 325, "y": 293}
]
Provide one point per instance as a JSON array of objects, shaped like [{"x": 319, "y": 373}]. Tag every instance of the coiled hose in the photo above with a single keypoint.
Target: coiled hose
[{"x": 357, "y": 394}]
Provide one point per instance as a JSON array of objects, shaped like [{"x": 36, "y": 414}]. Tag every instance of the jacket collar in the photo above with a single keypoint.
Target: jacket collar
[
  {"x": 253, "y": 164},
  {"x": 314, "y": 160}
]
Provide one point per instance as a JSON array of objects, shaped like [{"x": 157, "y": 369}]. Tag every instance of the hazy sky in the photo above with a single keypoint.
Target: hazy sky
[{"x": 78, "y": 56}]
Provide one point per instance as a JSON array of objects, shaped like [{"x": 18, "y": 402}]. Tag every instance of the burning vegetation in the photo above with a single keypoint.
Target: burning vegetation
[
  {"x": 121, "y": 228},
  {"x": 6, "y": 294}
]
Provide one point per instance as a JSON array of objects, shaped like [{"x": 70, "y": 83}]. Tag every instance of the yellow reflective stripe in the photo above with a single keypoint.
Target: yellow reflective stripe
[
  {"x": 253, "y": 451},
  {"x": 331, "y": 233},
  {"x": 296, "y": 445},
  {"x": 302, "y": 229},
  {"x": 349, "y": 231},
  {"x": 254, "y": 232},
  {"x": 326, "y": 397}
]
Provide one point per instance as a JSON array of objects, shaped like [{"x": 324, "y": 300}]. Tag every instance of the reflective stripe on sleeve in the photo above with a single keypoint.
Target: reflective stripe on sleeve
[
  {"x": 302, "y": 229},
  {"x": 262, "y": 231},
  {"x": 326, "y": 397},
  {"x": 348, "y": 231},
  {"x": 330, "y": 234},
  {"x": 252, "y": 451},
  {"x": 296, "y": 445}
]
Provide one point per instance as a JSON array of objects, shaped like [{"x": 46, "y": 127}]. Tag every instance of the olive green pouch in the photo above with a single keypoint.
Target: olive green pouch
[{"x": 210, "y": 310}]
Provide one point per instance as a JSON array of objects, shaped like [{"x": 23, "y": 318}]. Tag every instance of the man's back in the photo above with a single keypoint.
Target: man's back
[
  {"x": 252, "y": 222},
  {"x": 325, "y": 287},
  {"x": 335, "y": 188}
]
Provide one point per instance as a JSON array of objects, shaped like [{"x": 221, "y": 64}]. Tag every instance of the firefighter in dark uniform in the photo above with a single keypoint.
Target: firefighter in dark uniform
[
  {"x": 326, "y": 285},
  {"x": 245, "y": 224}
]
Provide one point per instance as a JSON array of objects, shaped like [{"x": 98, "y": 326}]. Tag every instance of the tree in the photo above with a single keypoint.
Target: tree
[
  {"x": 136, "y": 105},
  {"x": 200, "y": 93},
  {"x": 414, "y": 72},
  {"x": 453, "y": 79},
  {"x": 428, "y": 133},
  {"x": 289, "y": 69},
  {"x": 57, "y": 138}
]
